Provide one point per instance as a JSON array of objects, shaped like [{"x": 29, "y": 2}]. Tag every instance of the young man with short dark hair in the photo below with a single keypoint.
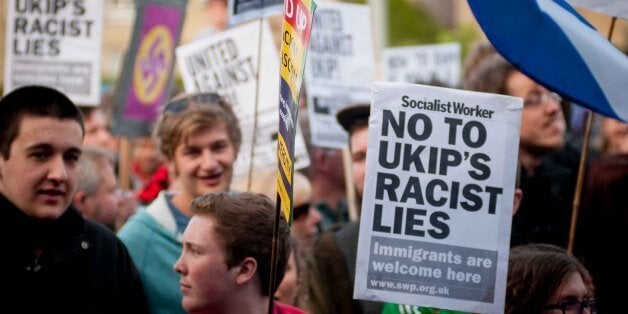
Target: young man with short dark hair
[{"x": 56, "y": 261}]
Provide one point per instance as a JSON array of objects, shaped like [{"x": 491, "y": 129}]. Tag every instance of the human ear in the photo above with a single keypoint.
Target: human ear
[
  {"x": 517, "y": 200},
  {"x": 81, "y": 202},
  {"x": 246, "y": 270}
]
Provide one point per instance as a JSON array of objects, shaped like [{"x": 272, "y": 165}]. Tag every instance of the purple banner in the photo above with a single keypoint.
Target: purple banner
[{"x": 154, "y": 60}]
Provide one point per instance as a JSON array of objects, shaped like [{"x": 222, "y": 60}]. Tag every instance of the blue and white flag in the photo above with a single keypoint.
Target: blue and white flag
[{"x": 550, "y": 42}]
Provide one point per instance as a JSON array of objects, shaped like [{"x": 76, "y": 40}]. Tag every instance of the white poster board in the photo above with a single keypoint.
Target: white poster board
[
  {"x": 339, "y": 68},
  {"x": 241, "y": 11},
  {"x": 226, "y": 63},
  {"x": 438, "y": 197},
  {"x": 56, "y": 44},
  {"x": 423, "y": 64}
]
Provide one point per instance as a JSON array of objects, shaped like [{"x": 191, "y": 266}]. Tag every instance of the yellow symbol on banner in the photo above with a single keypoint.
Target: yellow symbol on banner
[
  {"x": 292, "y": 57},
  {"x": 150, "y": 73},
  {"x": 283, "y": 157},
  {"x": 284, "y": 196}
]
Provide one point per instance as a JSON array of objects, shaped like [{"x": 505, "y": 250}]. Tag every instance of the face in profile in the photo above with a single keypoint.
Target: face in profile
[
  {"x": 542, "y": 122},
  {"x": 146, "y": 155},
  {"x": 203, "y": 163},
  {"x": 358, "y": 143},
  {"x": 103, "y": 205},
  {"x": 96, "y": 132},
  {"x": 306, "y": 227},
  {"x": 287, "y": 291},
  {"x": 40, "y": 174},
  {"x": 615, "y": 135},
  {"x": 206, "y": 280}
]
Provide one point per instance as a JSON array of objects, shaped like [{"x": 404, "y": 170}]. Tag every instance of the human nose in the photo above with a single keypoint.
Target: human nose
[
  {"x": 209, "y": 160},
  {"x": 315, "y": 215},
  {"x": 551, "y": 100},
  {"x": 58, "y": 171},
  {"x": 178, "y": 265},
  {"x": 104, "y": 134}
]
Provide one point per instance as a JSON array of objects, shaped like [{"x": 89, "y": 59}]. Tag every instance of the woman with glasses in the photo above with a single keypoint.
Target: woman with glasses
[
  {"x": 200, "y": 138},
  {"x": 544, "y": 278}
]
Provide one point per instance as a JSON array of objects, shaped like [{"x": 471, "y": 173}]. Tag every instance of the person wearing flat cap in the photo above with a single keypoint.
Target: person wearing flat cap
[{"x": 331, "y": 263}]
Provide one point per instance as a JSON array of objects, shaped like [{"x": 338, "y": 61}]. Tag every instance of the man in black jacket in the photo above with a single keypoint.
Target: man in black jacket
[
  {"x": 55, "y": 260},
  {"x": 333, "y": 258},
  {"x": 548, "y": 165}
]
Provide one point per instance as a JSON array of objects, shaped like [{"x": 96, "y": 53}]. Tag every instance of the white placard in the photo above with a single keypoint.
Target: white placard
[
  {"x": 241, "y": 11},
  {"x": 226, "y": 63},
  {"x": 57, "y": 44},
  {"x": 423, "y": 64},
  {"x": 438, "y": 197},
  {"x": 339, "y": 68}
]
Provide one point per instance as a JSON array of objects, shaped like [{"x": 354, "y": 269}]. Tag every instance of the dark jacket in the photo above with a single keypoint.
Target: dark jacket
[
  {"x": 69, "y": 265},
  {"x": 545, "y": 212}
]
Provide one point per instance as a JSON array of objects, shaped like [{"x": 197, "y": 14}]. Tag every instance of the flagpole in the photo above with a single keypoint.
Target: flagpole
[{"x": 581, "y": 167}]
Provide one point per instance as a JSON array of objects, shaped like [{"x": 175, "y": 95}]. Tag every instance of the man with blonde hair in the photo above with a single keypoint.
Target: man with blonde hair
[{"x": 199, "y": 136}]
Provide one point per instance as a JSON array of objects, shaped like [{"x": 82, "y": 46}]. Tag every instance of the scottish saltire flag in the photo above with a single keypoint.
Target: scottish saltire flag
[{"x": 550, "y": 42}]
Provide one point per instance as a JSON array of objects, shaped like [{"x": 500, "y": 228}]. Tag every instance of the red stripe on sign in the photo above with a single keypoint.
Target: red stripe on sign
[{"x": 299, "y": 17}]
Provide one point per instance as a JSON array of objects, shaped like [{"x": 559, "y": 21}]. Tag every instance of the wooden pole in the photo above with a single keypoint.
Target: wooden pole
[
  {"x": 254, "y": 140},
  {"x": 581, "y": 167},
  {"x": 124, "y": 163}
]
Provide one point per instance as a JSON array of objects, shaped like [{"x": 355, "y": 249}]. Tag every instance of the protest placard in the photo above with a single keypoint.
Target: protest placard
[
  {"x": 339, "y": 68},
  {"x": 295, "y": 39},
  {"x": 146, "y": 78},
  {"x": 57, "y": 44},
  {"x": 425, "y": 64},
  {"x": 438, "y": 197},
  {"x": 227, "y": 63},
  {"x": 241, "y": 11}
]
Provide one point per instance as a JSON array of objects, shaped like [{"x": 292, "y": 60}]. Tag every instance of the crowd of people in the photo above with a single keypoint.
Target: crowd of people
[{"x": 188, "y": 239}]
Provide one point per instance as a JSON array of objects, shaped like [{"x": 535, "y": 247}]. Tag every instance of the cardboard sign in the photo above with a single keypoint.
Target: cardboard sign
[
  {"x": 241, "y": 11},
  {"x": 295, "y": 37},
  {"x": 438, "y": 197},
  {"x": 57, "y": 44},
  {"x": 339, "y": 70},
  {"x": 227, "y": 63},
  {"x": 423, "y": 64}
]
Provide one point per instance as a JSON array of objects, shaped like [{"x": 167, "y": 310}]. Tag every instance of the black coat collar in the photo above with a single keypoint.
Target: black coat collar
[{"x": 40, "y": 233}]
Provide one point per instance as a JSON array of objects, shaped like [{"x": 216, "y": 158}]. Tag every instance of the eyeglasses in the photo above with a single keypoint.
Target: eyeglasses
[
  {"x": 300, "y": 211},
  {"x": 540, "y": 96},
  {"x": 573, "y": 307},
  {"x": 180, "y": 105}
]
